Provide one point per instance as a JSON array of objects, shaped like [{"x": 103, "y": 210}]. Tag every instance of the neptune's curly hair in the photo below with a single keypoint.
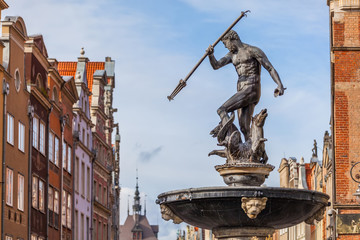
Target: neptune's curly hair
[{"x": 231, "y": 35}]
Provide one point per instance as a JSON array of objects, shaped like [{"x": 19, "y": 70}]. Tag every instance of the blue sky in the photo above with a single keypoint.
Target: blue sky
[{"x": 156, "y": 43}]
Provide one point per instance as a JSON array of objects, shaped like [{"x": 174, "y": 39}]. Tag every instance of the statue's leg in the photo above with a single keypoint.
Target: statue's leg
[
  {"x": 238, "y": 101},
  {"x": 244, "y": 116}
]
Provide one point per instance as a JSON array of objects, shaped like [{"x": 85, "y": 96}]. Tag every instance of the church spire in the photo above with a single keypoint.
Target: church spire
[{"x": 137, "y": 205}]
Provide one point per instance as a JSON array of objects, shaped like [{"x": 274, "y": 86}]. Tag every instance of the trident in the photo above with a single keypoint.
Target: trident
[{"x": 182, "y": 82}]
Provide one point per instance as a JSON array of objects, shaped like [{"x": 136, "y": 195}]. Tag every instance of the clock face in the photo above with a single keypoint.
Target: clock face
[{"x": 355, "y": 172}]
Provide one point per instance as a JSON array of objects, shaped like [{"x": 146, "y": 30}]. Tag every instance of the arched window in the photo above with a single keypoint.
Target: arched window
[
  {"x": 55, "y": 95},
  {"x": 39, "y": 81}
]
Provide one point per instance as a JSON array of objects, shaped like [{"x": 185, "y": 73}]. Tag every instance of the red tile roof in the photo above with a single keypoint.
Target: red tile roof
[
  {"x": 69, "y": 69},
  {"x": 91, "y": 67}
]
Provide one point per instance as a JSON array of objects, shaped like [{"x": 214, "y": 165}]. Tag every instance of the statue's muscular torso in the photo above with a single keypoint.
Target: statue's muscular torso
[{"x": 245, "y": 62}]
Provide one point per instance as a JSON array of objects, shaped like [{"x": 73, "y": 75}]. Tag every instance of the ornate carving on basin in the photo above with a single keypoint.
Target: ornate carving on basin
[
  {"x": 244, "y": 174},
  {"x": 167, "y": 214},
  {"x": 318, "y": 216},
  {"x": 253, "y": 206}
]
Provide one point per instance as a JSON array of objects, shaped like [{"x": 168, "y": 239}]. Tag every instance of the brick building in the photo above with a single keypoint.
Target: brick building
[
  {"x": 36, "y": 78},
  {"x": 54, "y": 145},
  {"x": 345, "y": 115},
  {"x": 15, "y": 153}
]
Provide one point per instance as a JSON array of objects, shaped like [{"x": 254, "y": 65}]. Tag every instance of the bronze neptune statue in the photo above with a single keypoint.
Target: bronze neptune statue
[{"x": 247, "y": 61}]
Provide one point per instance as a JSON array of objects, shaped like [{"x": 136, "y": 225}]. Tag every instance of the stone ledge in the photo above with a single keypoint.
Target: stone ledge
[{"x": 349, "y": 4}]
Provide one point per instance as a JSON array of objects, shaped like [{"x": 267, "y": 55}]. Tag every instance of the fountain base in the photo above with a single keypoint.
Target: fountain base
[{"x": 244, "y": 233}]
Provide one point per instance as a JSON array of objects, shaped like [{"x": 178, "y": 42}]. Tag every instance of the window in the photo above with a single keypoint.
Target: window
[
  {"x": 105, "y": 231},
  {"x": 76, "y": 174},
  {"x": 69, "y": 159},
  {"x": 68, "y": 211},
  {"x": 56, "y": 159},
  {"x": 9, "y": 186},
  {"x": 20, "y": 193},
  {"x": 35, "y": 132},
  {"x": 94, "y": 229},
  {"x": 55, "y": 96},
  {"x": 64, "y": 155},
  {"x": 8, "y": 238},
  {"x": 21, "y": 143},
  {"x": 82, "y": 227},
  {"x": 94, "y": 189},
  {"x": 10, "y": 129},
  {"x": 99, "y": 231},
  {"x": 17, "y": 80},
  {"x": 76, "y": 224},
  {"x": 87, "y": 228},
  {"x": 33, "y": 237},
  {"x": 87, "y": 140},
  {"x": 105, "y": 196},
  {"x": 39, "y": 81},
  {"x": 99, "y": 193},
  {"x": 83, "y": 136},
  {"x": 42, "y": 138},
  {"x": 51, "y": 147},
  {"x": 88, "y": 184},
  {"x": 56, "y": 201},
  {"x": 34, "y": 192},
  {"x": 41, "y": 195},
  {"x": 56, "y": 208},
  {"x": 51, "y": 205},
  {"x": 63, "y": 209},
  {"x": 83, "y": 179}
]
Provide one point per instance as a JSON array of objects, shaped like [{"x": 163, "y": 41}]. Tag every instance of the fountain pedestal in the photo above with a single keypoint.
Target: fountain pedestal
[
  {"x": 243, "y": 233},
  {"x": 244, "y": 174}
]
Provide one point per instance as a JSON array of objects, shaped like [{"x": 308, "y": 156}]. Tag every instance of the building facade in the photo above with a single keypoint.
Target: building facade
[
  {"x": 345, "y": 120},
  {"x": 54, "y": 145},
  {"x": 295, "y": 175},
  {"x": 83, "y": 154},
  {"x": 15, "y": 151},
  {"x": 36, "y": 77},
  {"x": 100, "y": 78},
  {"x": 60, "y": 164}
]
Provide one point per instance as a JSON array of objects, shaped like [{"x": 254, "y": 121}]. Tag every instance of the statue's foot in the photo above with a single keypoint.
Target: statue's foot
[{"x": 216, "y": 130}]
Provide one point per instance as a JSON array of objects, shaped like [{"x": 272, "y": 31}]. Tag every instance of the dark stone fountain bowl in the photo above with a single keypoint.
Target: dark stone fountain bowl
[{"x": 221, "y": 207}]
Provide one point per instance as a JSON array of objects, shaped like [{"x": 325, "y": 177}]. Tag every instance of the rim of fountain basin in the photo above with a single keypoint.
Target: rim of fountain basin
[{"x": 209, "y": 207}]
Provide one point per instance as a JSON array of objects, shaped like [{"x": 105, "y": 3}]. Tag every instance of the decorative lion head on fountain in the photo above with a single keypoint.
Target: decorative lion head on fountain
[
  {"x": 253, "y": 206},
  {"x": 167, "y": 215}
]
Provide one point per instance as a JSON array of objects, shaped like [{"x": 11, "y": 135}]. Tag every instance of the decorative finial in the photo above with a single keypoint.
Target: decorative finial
[
  {"x": 302, "y": 161},
  {"x": 128, "y": 210},
  {"x": 82, "y": 52},
  {"x": 145, "y": 205}
]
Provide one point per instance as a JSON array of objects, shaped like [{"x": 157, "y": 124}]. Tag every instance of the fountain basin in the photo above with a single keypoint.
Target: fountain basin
[{"x": 221, "y": 207}]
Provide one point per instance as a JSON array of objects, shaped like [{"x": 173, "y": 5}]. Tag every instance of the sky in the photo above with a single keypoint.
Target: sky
[{"x": 155, "y": 44}]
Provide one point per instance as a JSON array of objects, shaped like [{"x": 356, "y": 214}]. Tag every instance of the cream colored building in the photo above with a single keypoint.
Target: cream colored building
[{"x": 293, "y": 175}]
